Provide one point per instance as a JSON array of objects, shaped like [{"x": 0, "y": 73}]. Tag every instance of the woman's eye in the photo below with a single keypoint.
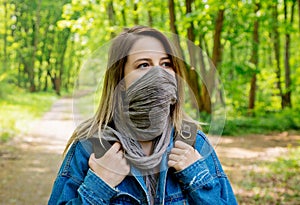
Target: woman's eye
[
  {"x": 143, "y": 65},
  {"x": 166, "y": 64}
]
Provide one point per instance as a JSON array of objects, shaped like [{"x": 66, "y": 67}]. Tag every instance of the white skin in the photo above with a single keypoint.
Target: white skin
[{"x": 145, "y": 53}]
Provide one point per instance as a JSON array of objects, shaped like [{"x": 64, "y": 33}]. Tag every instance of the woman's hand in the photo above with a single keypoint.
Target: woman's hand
[
  {"x": 182, "y": 155},
  {"x": 112, "y": 167}
]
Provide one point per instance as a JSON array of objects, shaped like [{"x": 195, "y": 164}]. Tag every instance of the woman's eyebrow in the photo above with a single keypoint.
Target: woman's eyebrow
[
  {"x": 166, "y": 58},
  {"x": 142, "y": 59},
  {"x": 149, "y": 59}
]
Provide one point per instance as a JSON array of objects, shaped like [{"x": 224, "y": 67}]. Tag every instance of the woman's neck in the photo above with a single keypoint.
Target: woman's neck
[{"x": 147, "y": 147}]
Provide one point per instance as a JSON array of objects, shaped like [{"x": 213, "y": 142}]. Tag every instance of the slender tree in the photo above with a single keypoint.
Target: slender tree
[
  {"x": 135, "y": 13},
  {"x": 216, "y": 58},
  {"x": 254, "y": 60},
  {"x": 5, "y": 36},
  {"x": 36, "y": 27},
  {"x": 287, "y": 68},
  {"x": 276, "y": 45},
  {"x": 111, "y": 16},
  {"x": 173, "y": 26},
  {"x": 150, "y": 17},
  {"x": 123, "y": 13},
  {"x": 193, "y": 78},
  {"x": 299, "y": 15}
]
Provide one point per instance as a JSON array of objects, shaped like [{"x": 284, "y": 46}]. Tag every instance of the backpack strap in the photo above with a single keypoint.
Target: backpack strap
[
  {"x": 100, "y": 147},
  {"x": 187, "y": 133}
]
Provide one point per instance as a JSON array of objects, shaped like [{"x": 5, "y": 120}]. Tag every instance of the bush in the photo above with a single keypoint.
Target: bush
[{"x": 262, "y": 123}]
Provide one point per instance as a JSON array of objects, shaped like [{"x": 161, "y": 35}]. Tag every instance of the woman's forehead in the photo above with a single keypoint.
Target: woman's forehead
[{"x": 147, "y": 44}]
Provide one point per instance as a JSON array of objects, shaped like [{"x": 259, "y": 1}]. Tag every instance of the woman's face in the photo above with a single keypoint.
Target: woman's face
[{"x": 144, "y": 54}]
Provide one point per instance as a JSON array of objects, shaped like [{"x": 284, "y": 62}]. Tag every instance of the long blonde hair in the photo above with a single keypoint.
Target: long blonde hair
[{"x": 117, "y": 58}]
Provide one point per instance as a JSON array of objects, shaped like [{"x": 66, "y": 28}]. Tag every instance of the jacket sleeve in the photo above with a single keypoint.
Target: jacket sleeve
[
  {"x": 76, "y": 183},
  {"x": 204, "y": 182}
]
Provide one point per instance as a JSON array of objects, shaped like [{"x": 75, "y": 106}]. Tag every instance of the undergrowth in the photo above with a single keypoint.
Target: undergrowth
[{"x": 260, "y": 123}]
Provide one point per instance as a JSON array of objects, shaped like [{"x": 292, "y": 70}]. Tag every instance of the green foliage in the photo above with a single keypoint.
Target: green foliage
[
  {"x": 44, "y": 44},
  {"x": 262, "y": 122},
  {"x": 18, "y": 109}
]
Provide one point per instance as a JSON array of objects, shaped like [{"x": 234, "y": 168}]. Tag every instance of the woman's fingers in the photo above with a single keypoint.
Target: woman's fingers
[
  {"x": 112, "y": 167},
  {"x": 182, "y": 145},
  {"x": 182, "y": 155},
  {"x": 114, "y": 148}
]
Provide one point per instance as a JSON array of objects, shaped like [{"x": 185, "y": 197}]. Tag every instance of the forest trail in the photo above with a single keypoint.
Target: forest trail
[
  {"x": 242, "y": 155},
  {"x": 29, "y": 164}
]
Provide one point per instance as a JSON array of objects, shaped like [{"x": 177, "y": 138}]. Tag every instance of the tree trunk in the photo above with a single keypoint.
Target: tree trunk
[
  {"x": 36, "y": 39},
  {"x": 57, "y": 84},
  {"x": 203, "y": 73},
  {"x": 68, "y": 74},
  {"x": 217, "y": 54},
  {"x": 252, "y": 93},
  {"x": 299, "y": 14},
  {"x": 288, "y": 92},
  {"x": 46, "y": 58},
  {"x": 254, "y": 60},
  {"x": 216, "y": 58},
  {"x": 111, "y": 16},
  {"x": 191, "y": 36},
  {"x": 276, "y": 44},
  {"x": 135, "y": 15},
  {"x": 173, "y": 27},
  {"x": 60, "y": 61},
  {"x": 124, "y": 17},
  {"x": 193, "y": 78},
  {"x": 217, "y": 48},
  {"x": 52, "y": 78},
  {"x": 45, "y": 83},
  {"x": 31, "y": 68},
  {"x": 19, "y": 75},
  {"x": 5, "y": 37},
  {"x": 44, "y": 50},
  {"x": 150, "y": 18}
]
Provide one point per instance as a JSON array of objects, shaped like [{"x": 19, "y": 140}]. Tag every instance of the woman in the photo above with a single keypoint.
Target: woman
[{"x": 138, "y": 122}]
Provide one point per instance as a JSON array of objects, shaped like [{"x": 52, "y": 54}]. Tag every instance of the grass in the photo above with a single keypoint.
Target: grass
[
  {"x": 272, "y": 182},
  {"x": 18, "y": 109}
]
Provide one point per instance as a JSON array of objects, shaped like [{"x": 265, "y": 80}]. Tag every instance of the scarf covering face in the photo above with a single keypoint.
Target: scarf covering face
[{"x": 142, "y": 113}]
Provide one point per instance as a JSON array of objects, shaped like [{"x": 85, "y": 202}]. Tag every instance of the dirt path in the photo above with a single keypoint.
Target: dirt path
[
  {"x": 29, "y": 164},
  {"x": 241, "y": 156}
]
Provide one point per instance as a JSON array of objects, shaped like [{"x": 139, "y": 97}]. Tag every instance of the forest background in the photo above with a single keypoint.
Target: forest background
[{"x": 253, "y": 45}]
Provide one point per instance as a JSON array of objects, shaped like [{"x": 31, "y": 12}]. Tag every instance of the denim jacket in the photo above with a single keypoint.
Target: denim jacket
[{"x": 203, "y": 182}]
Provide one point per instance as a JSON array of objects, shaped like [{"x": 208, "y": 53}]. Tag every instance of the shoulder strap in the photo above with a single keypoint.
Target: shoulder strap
[
  {"x": 187, "y": 133},
  {"x": 100, "y": 147}
]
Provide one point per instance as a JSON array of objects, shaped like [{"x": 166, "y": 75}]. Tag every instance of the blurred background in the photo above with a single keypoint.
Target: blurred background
[{"x": 253, "y": 45}]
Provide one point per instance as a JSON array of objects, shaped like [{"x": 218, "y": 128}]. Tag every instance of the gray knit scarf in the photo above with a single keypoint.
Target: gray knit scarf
[{"x": 142, "y": 113}]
